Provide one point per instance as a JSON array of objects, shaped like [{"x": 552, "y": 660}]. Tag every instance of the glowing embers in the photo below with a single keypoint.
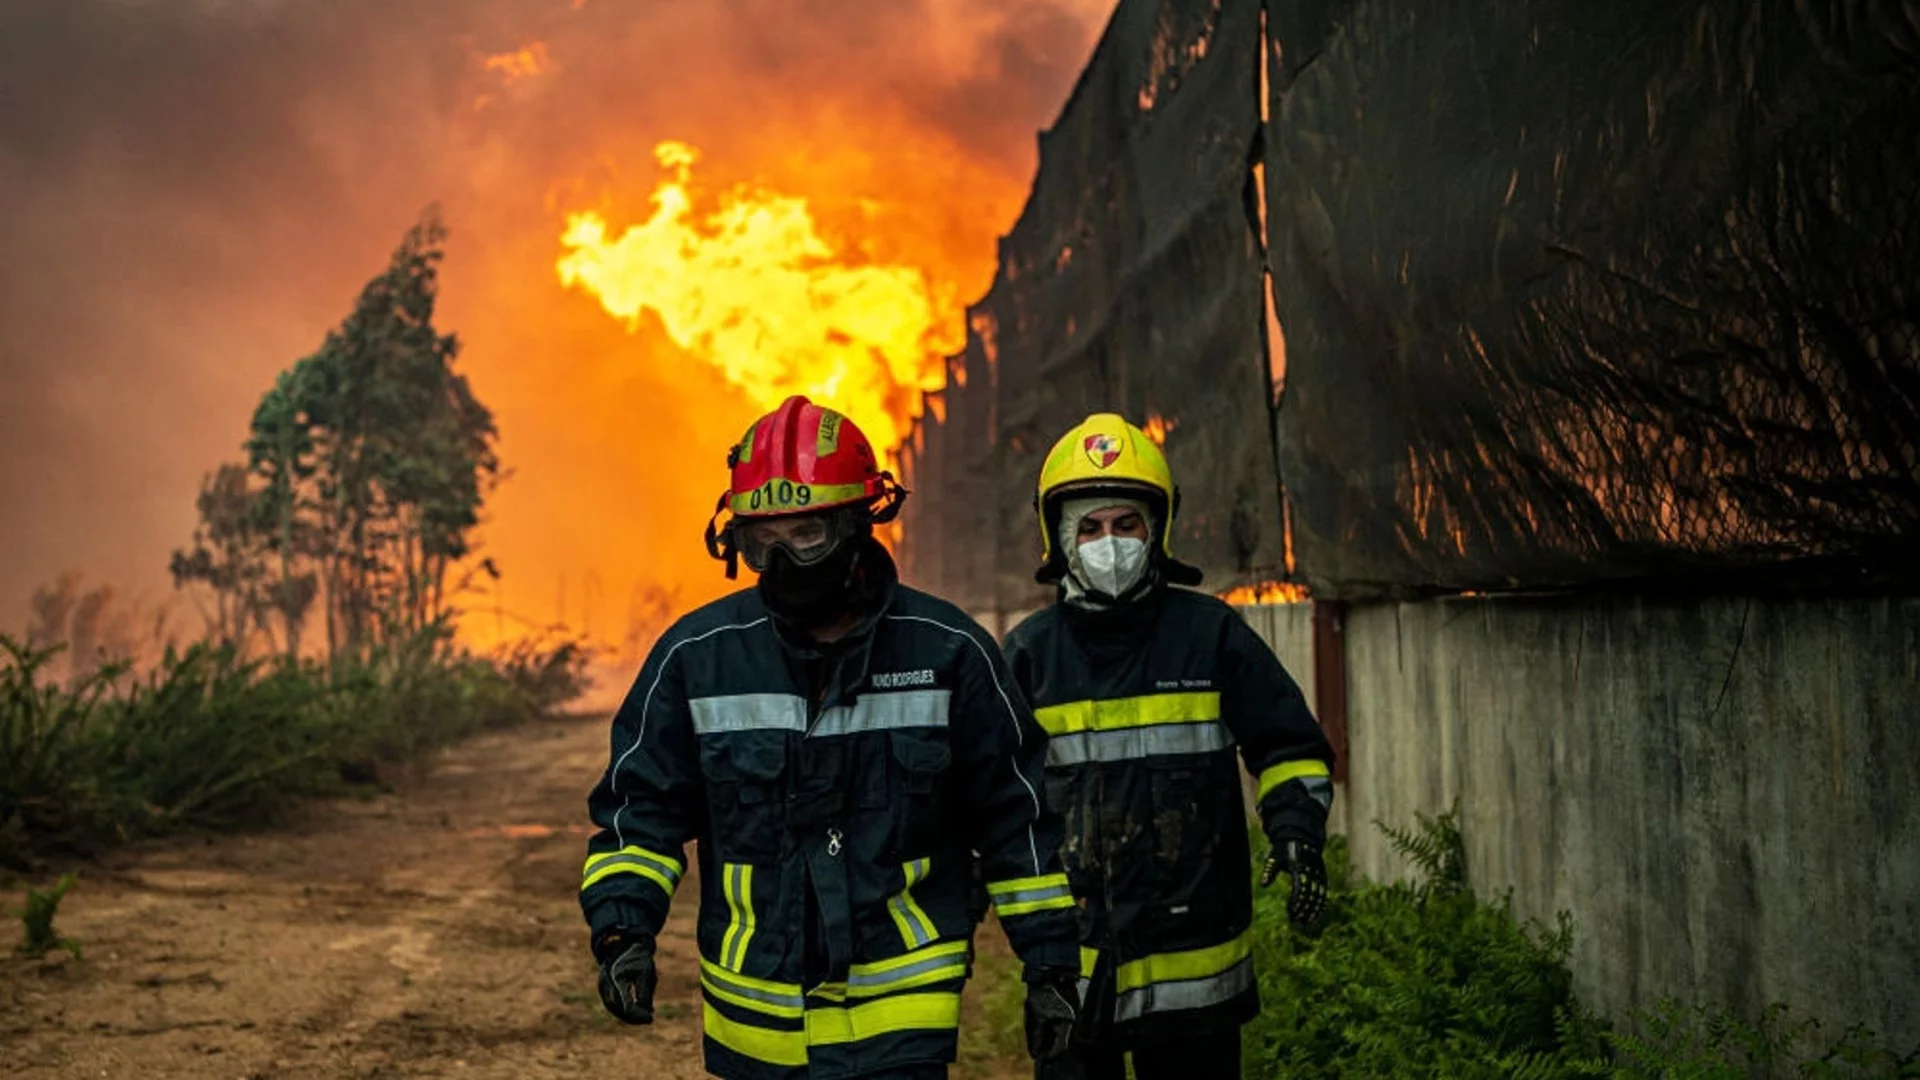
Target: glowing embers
[
  {"x": 1267, "y": 592},
  {"x": 1158, "y": 428}
]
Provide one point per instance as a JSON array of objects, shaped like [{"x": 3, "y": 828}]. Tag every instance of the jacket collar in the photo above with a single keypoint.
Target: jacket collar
[
  {"x": 1110, "y": 632},
  {"x": 880, "y": 582}
]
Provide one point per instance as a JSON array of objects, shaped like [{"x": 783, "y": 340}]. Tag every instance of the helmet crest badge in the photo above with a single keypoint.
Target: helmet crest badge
[{"x": 1103, "y": 450}]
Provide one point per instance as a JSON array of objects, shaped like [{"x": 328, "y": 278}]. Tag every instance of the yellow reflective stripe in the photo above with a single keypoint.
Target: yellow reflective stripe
[
  {"x": 832, "y": 1025},
  {"x": 760, "y": 1044},
  {"x": 1028, "y": 907},
  {"x": 1134, "y": 712},
  {"x": 648, "y": 872},
  {"x": 916, "y": 929},
  {"x": 1023, "y": 896},
  {"x": 736, "y": 883},
  {"x": 908, "y": 970},
  {"x": 905, "y": 960},
  {"x": 933, "y": 973},
  {"x": 1289, "y": 770},
  {"x": 786, "y": 497},
  {"x": 1176, "y": 966},
  {"x": 947, "y": 960},
  {"x": 662, "y": 870},
  {"x": 734, "y": 997},
  {"x": 1088, "y": 958},
  {"x": 998, "y": 889},
  {"x": 765, "y": 986},
  {"x": 667, "y": 864},
  {"x": 829, "y": 1021}
]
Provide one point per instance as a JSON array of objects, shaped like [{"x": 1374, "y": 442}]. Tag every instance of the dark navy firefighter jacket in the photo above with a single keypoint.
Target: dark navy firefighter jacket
[
  {"x": 835, "y": 802},
  {"x": 1150, "y": 710}
]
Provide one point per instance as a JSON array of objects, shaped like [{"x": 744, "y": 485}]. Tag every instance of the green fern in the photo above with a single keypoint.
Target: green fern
[
  {"x": 1435, "y": 847},
  {"x": 1678, "y": 1042},
  {"x": 1425, "y": 979}
]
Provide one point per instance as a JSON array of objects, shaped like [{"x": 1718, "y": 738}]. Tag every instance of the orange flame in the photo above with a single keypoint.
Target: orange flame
[
  {"x": 1268, "y": 592},
  {"x": 754, "y": 290},
  {"x": 1158, "y": 428}
]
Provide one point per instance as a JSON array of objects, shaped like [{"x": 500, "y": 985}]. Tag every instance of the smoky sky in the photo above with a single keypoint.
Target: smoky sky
[{"x": 191, "y": 191}]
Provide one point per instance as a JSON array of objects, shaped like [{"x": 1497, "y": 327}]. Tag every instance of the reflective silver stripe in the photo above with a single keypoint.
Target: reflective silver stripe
[
  {"x": 884, "y": 712},
  {"x": 1187, "y": 994},
  {"x": 748, "y": 712},
  {"x": 768, "y": 997},
  {"x": 629, "y": 858},
  {"x": 919, "y": 936},
  {"x": 866, "y": 980},
  {"x": 1026, "y": 896},
  {"x": 1319, "y": 789},
  {"x": 914, "y": 924},
  {"x": 1129, "y": 744}
]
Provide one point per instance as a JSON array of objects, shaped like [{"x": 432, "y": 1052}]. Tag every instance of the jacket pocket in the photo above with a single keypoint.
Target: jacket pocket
[
  {"x": 745, "y": 794},
  {"x": 920, "y": 758},
  {"x": 919, "y": 764}
]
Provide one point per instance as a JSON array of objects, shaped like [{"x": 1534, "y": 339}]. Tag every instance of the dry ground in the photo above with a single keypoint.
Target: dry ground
[{"x": 428, "y": 932}]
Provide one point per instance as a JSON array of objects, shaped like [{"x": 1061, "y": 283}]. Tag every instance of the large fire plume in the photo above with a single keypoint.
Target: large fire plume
[
  {"x": 204, "y": 188},
  {"x": 753, "y": 288}
]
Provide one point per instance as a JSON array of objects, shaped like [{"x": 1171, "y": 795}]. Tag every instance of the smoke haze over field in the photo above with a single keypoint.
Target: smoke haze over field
[{"x": 192, "y": 192}]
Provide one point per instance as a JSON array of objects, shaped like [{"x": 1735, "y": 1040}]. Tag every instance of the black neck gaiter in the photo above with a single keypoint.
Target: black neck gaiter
[{"x": 810, "y": 596}]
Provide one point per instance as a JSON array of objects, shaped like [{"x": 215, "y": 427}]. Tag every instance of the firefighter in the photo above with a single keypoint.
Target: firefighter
[
  {"x": 838, "y": 747},
  {"x": 1146, "y": 691}
]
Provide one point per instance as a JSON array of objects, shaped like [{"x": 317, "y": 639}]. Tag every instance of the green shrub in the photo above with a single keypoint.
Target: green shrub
[
  {"x": 37, "y": 920},
  {"x": 1415, "y": 979},
  {"x": 49, "y": 775},
  {"x": 209, "y": 739},
  {"x": 1423, "y": 979},
  {"x": 1681, "y": 1043},
  {"x": 546, "y": 673}
]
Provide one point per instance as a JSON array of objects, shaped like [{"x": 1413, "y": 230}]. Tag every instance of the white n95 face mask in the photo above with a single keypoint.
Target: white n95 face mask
[{"x": 1113, "y": 564}]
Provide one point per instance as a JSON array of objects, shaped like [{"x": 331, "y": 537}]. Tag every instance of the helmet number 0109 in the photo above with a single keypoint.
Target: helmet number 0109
[{"x": 780, "y": 495}]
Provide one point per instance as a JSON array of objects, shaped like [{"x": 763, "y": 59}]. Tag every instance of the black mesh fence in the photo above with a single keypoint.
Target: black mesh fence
[
  {"x": 1130, "y": 283},
  {"x": 1567, "y": 293},
  {"x": 1581, "y": 291}
]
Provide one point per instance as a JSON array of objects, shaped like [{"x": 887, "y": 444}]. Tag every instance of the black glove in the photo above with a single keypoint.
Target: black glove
[
  {"x": 1296, "y": 826},
  {"x": 627, "y": 978},
  {"x": 1053, "y": 1005},
  {"x": 1303, "y": 864}
]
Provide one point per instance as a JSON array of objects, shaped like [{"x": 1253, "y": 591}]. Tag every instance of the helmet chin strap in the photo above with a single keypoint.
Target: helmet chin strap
[{"x": 720, "y": 543}]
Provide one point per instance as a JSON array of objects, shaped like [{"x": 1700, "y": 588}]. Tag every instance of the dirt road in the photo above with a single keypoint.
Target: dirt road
[{"x": 430, "y": 932}]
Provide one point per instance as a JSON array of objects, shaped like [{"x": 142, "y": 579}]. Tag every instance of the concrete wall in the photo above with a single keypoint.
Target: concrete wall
[
  {"x": 1288, "y": 628},
  {"x": 1724, "y": 794}
]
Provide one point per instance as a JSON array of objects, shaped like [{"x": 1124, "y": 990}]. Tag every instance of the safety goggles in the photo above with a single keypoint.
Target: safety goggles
[{"x": 806, "y": 538}]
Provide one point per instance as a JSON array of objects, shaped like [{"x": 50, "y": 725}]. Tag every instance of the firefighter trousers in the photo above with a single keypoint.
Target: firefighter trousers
[{"x": 1213, "y": 1055}]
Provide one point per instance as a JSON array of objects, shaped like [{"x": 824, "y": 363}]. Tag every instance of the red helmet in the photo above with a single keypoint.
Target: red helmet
[{"x": 802, "y": 459}]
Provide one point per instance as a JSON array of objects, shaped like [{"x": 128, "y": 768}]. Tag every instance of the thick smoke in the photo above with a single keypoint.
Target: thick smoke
[{"x": 191, "y": 192}]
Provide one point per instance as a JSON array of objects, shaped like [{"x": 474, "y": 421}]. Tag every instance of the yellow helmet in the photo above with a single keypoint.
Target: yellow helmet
[{"x": 1103, "y": 455}]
